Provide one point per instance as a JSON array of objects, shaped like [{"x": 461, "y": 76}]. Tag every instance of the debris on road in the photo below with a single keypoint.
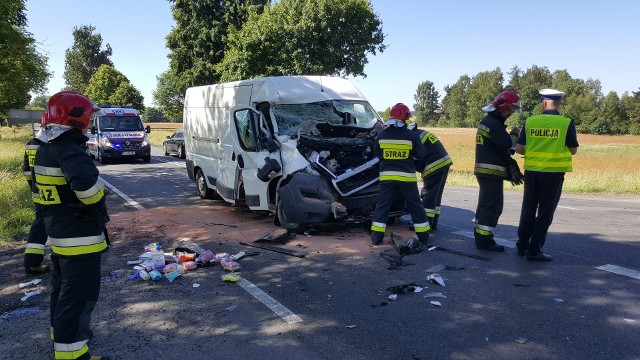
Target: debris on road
[
  {"x": 462, "y": 253},
  {"x": 436, "y": 279},
  {"x": 435, "y": 303},
  {"x": 275, "y": 249},
  {"x": 32, "y": 282},
  {"x": 393, "y": 297},
  {"x": 439, "y": 267},
  {"x": 435, "y": 295},
  {"x": 521, "y": 341},
  {"x": 30, "y": 294},
  {"x": 411, "y": 246},
  {"x": 278, "y": 235},
  {"x": 394, "y": 260}
]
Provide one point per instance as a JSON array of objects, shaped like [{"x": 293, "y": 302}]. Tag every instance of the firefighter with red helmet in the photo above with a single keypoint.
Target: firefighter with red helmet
[
  {"x": 71, "y": 198},
  {"x": 397, "y": 147},
  {"x": 37, "y": 237},
  {"x": 493, "y": 153},
  {"x": 434, "y": 170}
]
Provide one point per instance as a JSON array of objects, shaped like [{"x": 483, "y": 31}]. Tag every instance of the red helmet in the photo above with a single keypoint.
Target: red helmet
[
  {"x": 43, "y": 119},
  {"x": 70, "y": 108},
  {"x": 400, "y": 111},
  {"x": 507, "y": 99}
]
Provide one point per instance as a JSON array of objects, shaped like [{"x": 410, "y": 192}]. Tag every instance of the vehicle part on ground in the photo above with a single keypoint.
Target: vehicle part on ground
[{"x": 275, "y": 249}]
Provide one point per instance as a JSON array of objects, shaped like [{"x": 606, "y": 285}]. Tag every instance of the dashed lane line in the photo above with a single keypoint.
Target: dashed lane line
[
  {"x": 500, "y": 241},
  {"x": 620, "y": 271},
  {"x": 567, "y": 207},
  {"x": 129, "y": 200},
  {"x": 269, "y": 302}
]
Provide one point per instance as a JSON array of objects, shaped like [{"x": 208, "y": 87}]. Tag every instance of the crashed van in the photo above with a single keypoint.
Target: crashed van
[
  {"x": 118, "y": 133},
  {"x": 300, "y": 147}
]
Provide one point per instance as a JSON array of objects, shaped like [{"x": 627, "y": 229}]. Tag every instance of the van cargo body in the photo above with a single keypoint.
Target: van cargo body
[{"x": 300, "y": 147}]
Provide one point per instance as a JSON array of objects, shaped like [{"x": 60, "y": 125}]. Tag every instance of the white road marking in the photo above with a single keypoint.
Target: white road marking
[
  {"x": 499, "y": 241},
  {"x": 122, "y": 195},
  {"x": 568, "y": 208},
  {"x": 620, "y": 271},
  {"x": 270, "y": 302}
]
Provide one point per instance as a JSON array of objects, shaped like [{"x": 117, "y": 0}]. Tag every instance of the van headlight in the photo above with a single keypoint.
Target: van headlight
[
  {"x": 145, "y": 141},
  {"x": 104, "y": 141}
]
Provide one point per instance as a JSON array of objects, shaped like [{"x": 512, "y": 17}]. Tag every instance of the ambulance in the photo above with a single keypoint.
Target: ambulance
[
  {"x": 118, "y": 133},
  {"x": 299, "y": 147}
]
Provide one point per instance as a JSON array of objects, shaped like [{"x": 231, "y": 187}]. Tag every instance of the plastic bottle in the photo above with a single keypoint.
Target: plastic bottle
[
  {"x": 155, "y": 275},
  {"x": 238, "y": 256},
  {"x": 144, "y": 275}
]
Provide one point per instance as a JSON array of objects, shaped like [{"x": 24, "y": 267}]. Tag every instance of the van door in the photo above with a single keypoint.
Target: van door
[{"x": 258, "y": 156}]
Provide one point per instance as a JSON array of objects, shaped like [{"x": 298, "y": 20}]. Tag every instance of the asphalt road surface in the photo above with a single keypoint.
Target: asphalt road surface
[{"x": 333, "y": 304}]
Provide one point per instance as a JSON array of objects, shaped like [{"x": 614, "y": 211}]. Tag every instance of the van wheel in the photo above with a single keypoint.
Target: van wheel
[
  {"x": 201, "y": 186},
  {"x": 102, "y": 159},
  {"x": 289, "y": 226},
  {"x": 147, "y": 158},
  {"x": 181, "y": 154}
]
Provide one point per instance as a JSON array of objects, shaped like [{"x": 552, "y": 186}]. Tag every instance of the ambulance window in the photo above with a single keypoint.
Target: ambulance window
[{"x": 244, "y": 127}]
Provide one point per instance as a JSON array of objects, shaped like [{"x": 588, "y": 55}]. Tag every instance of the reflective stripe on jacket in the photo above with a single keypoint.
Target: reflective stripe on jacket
[
  {"x": 437, "y": 158},
  {"x": 545, "y": 148},
  {"x": 492, "y": 147},
  {"x": 398, "y": 148}
]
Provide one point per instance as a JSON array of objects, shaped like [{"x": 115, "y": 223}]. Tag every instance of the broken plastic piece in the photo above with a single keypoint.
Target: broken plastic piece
[
  {"x": 521, "y": 341},
  {"x": 30, "y": 294},
  {"x": 350, "y": 326},
  {"x": 393, "y": 297},
  {"x": 436, "y": 303},
  {"x": 435, "y": 295},
  {"x": 32, "y": 282},
  {"x": 196, "y": 285},
  {"x": 436, "y": 278}
]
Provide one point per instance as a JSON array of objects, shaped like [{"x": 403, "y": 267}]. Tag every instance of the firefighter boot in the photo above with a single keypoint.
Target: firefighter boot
[
  {"x": 424, "y": 237},
  {"x": 37, "y": 270},
  {"x": 484, "y": 242},
  {"x": 377, "y": 237}
]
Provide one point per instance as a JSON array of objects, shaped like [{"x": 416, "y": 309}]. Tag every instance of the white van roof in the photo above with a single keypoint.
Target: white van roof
[
  {"x": 288, "y": 89},
  {"x": 119, "y": 111}
]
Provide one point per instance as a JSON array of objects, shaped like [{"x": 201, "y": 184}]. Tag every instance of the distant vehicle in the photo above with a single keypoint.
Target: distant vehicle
[
  {"x": 300, "y": 147},
  {"x": 174, "y": 144},
  {"x": 118, "y": 133}
]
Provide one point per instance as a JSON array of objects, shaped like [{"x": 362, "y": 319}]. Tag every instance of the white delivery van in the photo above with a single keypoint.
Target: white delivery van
[
  {"x": 300, "y": 147},
  {"x": 118, "y": 133}
]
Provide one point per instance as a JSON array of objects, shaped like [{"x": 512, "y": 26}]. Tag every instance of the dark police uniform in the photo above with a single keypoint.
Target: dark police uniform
[
  {"x": 434, "y": 170},
  {"x": 37, "y": 237},
  {"x": 547, "y": 137},
  {"x": 398, "y": 148},
  {"x": 492, "y": 154},
  {"x": 72, "y": 200}
]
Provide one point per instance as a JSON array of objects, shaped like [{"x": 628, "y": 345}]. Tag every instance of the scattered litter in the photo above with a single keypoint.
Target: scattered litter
[
  {"x": 277, "y": 235},
  {"x": 29, "y": 294},
  {"x": 435, "y": 295},
  {"x": 403, "y": 289},
  {"x": 231, "y": 308},
  {"x": 630, "y": 320},
  {"x": 231, "y": 277},
  {"x": 196, "y": 285},
  {"x": 393, "y": 297},
  {"x": 521, "y": 341},
  {"x": 435, "y": 303},
  {"x": 435, "y": 268},
  {"x": 448, "y": 267},
  {"x": 394, "y": 260},
  {"x": 522, "y": 285},
  {"x": 418, "y": 289},
  {"x": 351, "y": 326},
  {"x": 238, "y": 256},
  {"x": 134, "y": 262},
  {"x": 436, "y": 278},
  {"x": 558, "y": 300},
  {"x": 19, "y": 313},
  {"x": 32, "y": 282}
]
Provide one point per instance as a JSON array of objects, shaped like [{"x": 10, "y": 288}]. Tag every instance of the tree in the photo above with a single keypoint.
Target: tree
[
  {"x": 515, "y": 76},
  {"x": 39, "y": 102},
  {"x": 152, "y": 114},
  {"x": 167, "y": 97},
  {"x": 454, "y": 103},
  {"x": 631, "y": 107},
  {"x": 108, "y": 86},
  {"x": 483, "y": 89},
  {"x": 427, "y": 104},
  {"x": 22, "y": 68},
  {"x": 84, "y": 57},
  {"x": 609, "y": 119},
  {"x": 311, "y": 37}
]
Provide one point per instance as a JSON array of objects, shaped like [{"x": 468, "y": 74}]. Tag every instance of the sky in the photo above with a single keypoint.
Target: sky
[{"x": 438, "y": 41}]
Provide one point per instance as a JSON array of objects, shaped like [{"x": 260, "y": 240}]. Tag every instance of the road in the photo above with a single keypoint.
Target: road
[{"x": 333, "y": 303}]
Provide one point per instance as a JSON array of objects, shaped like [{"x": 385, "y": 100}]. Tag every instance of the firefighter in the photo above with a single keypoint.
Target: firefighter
[
  {"x": 72, "y": 199},
  {"x": 548, "y": 142},
  {"x": 493, "y": 145},
  {"x": 434, "y": 170},
  {"x": 37, "y": 237},
  {"x": 397, "y": 147}
]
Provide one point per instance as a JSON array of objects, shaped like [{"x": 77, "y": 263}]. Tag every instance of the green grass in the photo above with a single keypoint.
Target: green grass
[
  {"x": 15, "y": 197},
  {"x": 156, "y": 137}
]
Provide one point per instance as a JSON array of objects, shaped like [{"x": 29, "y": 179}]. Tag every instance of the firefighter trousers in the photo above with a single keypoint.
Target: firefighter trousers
[
  {"x": 37, "y": 237},
  {"x": 75, "y": 290},
  {"x": 542, "y": 193},
  {"x": 490, "y": 205},
  {"x": 389, "y": 190},
  {"x": 431, "y": 195}
]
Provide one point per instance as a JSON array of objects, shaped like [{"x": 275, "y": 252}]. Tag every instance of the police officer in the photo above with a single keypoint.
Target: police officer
[
  {"x": 493, "y": 145},
  {"x": 397, "y": 147},
  {"x": 37, "y": 237},
  {"x": 72, "y": 201},
  {"x": 548, "y": 142},
  {"x": 434, "y": 169}
]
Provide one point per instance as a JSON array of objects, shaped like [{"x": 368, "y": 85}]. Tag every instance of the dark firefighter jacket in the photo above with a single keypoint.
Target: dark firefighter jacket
[
  {"x": 437, "y": 158},
  {"x": 27, "y": 164},
  {"x": 398, "y": 148},
  {"x": 71, "y": 196},
  {"x": 492, "y": 147}
]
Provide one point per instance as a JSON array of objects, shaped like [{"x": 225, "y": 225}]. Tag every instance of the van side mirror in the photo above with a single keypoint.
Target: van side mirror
[
  {"x": 147, "y": 129},
  {"x": 94, "y": 130}
]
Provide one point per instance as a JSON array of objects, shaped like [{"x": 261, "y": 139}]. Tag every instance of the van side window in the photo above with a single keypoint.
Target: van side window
[{"x": 245, "y": 129}]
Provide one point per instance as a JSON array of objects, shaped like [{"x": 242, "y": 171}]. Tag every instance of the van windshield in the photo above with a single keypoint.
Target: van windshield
[
  {"x": 336, "y": 112},
  {"x": 121, "y": 123}
]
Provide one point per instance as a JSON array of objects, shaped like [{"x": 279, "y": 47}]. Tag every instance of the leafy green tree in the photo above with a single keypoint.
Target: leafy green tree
[
  {"x": 153, "y": 114},
  {"x": 39, "y": 102},
  {"x": 609, "y": 119},
  {"x": 630, "y": 105},
  {"x": 483, "y": 89},
  {"x": 386, "y": 114},
  {"x": 108, "y": 86},
  {"x": 84, "y": 57},
  {"x": 454, "y": 103},
  {"x": 167, "y": 97},
  {"x": 515, "y": 76},
  {"x": 312, "y": 37},
  {"x": 22, "y": 68},
  {"x": 427, "y": 104}
]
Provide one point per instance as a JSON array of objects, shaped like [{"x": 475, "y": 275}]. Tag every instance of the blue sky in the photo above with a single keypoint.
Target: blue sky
[{"x": 427, "y": 40}]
